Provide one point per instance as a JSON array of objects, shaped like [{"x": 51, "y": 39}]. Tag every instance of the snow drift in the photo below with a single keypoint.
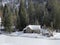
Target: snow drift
[{"x": 11, "y": 40}]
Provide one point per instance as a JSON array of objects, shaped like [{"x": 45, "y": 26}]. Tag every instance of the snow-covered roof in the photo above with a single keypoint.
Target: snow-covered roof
[{"x": 33, "y": 27}]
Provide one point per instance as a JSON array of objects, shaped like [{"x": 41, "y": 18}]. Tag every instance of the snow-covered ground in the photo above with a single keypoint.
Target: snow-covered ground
[
  {"x": 20, "y": 39},
  {"x": 28, "y": 35},
  {"x": 8, "y": 40},
  {"x": 35, "y": 35},
  {"x": 56, "y": 36}
]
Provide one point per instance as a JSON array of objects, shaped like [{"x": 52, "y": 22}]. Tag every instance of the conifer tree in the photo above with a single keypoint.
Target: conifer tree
[
  {"x": 53, "y": 7},
  {"x": 7, "y": 19},
  {"x": 57, "y": 15},
  {"x": 31, "y": 12},
  {"x": 21, "y": 18}
]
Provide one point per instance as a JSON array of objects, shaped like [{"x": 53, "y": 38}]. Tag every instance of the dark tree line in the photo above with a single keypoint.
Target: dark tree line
[{"x": 46, "y": 13}]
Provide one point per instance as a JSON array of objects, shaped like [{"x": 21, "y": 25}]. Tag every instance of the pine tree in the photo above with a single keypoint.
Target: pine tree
[
  {"x": 21, "y": 18},
  {"x": 53, "y": 7},
  {"x": 57, "y": 15},
  {"x": 7, "y": 19},
  {"x": 39, "y": 13},
  {"x": 31, "y": 12}
]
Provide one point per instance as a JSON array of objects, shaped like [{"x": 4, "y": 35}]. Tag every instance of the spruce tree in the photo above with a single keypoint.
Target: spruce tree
[
  {"x": 21, "y": 18},
  {"x": 57, "y": 15},
  {"x": 7, "y": 19},
  {"x": 38, "y": 13},
  {"x": 53, "y": 7},
  {"x": 31, "y": 12}
]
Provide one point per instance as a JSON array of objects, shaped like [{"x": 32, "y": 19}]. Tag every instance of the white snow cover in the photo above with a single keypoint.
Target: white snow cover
[
  {"x": 0, "y": 19},
  {"x": 35, "y": 35},
  {"x": 11, "y": 40},
  {"x": 44, "y": 31},
  {"x": 20, "y": 38},
  {"x": 28, "y": 35},
  {"x": 16, "y": 33},
  {"x": 56, "y": 36},
  {"x": 33, "y": 27}
]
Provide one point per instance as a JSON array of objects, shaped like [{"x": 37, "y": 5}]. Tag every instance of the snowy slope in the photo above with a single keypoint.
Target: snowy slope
[
  {"x": 56, "y": 36},
  {"x": 11, "y": 40},
  {"x": 35, "y": 35},
  {"x": 28, "y": 35}
]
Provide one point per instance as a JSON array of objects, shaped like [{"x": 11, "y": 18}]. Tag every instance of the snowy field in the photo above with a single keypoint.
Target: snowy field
[{"x": 25, "y": 39}]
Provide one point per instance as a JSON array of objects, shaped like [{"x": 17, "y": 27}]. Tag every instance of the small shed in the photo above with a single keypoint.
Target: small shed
[{"x": 32, "y": 29}]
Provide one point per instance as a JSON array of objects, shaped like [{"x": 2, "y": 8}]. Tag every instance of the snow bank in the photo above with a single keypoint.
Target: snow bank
[
  {"x": 11, "y": 40},
  {"x": 28, "y": 35},
  {"x": 56, "y": 36},
  {"x": 33, "y": 35},
  {"x": 16, "y": 33},
  {"x": 21, "y": 38}
]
